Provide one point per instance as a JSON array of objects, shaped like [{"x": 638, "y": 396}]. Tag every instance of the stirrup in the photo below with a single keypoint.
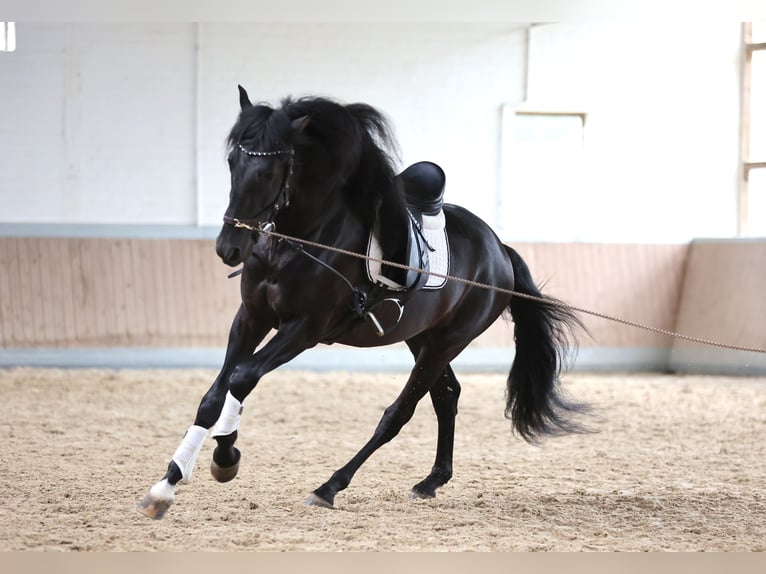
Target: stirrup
[{"x": 370, "y": 316}]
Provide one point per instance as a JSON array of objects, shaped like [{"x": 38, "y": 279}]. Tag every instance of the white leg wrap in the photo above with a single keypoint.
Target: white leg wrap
[
  {"x": 228, "y": 422},
  {"x": 187, "y": 452}
]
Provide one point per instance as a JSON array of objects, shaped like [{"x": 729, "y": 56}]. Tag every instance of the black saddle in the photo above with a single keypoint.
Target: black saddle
[{"x": 423, "y": 184}]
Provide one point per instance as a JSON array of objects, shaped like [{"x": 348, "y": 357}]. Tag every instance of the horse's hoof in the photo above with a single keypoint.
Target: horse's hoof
[
  {"x": 156, "y": 503},
  {"x": 314, "y": 500},
  {"x": 225, "y": 473},
  {"x": 416, "y": 494},
  {"x": 222, "y": 474},
  {"x": 152, "y": 507}
]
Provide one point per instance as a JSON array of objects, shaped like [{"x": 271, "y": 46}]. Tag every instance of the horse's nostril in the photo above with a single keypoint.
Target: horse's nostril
[{"x": 229, "y": 255}]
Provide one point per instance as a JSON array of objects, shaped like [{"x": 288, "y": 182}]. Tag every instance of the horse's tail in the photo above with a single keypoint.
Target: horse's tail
[{"x": 545, "y": 337}]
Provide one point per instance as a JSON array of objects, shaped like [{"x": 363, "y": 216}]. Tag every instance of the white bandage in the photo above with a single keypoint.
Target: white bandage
[
  {"x": 231, "y": 412},
  {"x": 187, "y": 452}
]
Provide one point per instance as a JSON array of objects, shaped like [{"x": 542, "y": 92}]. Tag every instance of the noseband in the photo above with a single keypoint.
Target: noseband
[{"x": 282, "y": 199}]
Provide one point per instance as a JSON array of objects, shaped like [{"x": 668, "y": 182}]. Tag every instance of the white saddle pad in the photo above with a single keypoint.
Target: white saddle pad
[{"x": 438, "y": 260}]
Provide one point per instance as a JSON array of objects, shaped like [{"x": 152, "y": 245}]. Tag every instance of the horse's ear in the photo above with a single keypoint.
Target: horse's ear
[
  {"x": 244, "y": 100},
  {"x": 299, "y": 124}
]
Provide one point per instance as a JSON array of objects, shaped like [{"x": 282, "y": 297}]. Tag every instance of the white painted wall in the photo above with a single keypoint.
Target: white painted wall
[
  {"x": 99, "y": 123},
  {"x": 442, "y": 85},
  {"x": 661, "y": 152}
]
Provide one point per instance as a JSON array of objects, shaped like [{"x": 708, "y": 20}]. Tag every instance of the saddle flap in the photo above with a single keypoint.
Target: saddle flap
[
  {"x": 423, "y": 185},
  {"x": 427, "y": 249}
]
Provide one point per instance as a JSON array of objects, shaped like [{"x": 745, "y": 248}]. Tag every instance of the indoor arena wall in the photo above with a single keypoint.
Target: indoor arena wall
[{"x": 92, "y": 293}]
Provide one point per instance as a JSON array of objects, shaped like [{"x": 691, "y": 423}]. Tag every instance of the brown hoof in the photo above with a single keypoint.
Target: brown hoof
[
  {"x": 314, "y": 500},
  {"x": 222, "y": 474},
  {"x": 153, "y": 507},
  {"x": 156, "y": 503}
]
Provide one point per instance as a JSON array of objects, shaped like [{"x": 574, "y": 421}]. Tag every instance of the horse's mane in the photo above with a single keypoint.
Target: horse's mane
[{"x": 349, "y": 146}]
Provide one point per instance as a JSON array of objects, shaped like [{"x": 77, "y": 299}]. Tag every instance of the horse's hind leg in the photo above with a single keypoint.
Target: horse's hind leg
[
  {"x": 444, "y": 396},
  {"x": 216, "y": 407},
  {"x": 428, "y": 368}
]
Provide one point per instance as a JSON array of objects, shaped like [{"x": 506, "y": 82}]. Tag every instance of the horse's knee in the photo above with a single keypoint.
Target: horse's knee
[
  {"x": 209, "y": 410},
  {"x": 241, "y": 382}
]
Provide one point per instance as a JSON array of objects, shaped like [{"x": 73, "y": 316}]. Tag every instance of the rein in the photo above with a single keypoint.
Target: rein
[
  {"x": 270, "y": 232},
  {"x": 360, "y": 304}
]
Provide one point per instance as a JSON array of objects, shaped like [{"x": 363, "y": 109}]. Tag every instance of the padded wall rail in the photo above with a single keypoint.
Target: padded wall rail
[
  {"x": 121, "y": 292},
  {"x": 95, "y": 292}
]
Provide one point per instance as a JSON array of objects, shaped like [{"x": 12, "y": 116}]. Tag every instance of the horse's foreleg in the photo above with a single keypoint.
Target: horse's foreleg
[
  {"x": 225, "y": 463},
  {"x": 162, "y": 494},
  {"x": 444, "y": 396},
  {"x": 217, "y": 409},
  {"x": 222, "y": 406}
]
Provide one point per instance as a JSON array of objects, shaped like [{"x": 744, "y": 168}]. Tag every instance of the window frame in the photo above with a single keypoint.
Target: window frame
[
  {"x": 8, "y": 37},
  {"x": 582, "y": 116},
  {"x": 747, "y": 163}
]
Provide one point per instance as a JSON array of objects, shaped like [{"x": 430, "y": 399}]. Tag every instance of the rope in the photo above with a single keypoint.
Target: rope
[{"x": 514, "y": 293}]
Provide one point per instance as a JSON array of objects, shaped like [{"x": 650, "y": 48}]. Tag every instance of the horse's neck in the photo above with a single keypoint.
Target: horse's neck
[{"x": 324, "y": 217}]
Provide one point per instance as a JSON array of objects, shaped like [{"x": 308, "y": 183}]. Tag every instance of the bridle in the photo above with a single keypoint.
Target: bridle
[
  {"x": 281, "y": 200},
  {"x": 362, "y": 303}
]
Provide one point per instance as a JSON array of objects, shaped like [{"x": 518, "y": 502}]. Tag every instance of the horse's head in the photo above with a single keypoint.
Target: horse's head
[
  {"x": 341, "y": 160},
  {"x": 261, "y": 163}
]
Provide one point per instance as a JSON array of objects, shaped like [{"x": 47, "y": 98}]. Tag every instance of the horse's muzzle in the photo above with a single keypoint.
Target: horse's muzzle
[{"x": 233, "y": 245}]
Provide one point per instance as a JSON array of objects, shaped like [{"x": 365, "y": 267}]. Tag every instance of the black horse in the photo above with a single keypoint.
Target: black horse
[{"x": 322, "y": 172}]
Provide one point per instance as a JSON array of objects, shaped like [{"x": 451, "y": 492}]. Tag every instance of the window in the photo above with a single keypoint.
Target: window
[
  {"x": 557, "y": 133},
  {"x": 7, "y": 36},
  {"x": 543, "y": 165}
]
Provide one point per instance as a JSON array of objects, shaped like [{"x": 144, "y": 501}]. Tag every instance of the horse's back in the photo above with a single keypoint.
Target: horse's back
[{"x": 471, "y": 238}]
